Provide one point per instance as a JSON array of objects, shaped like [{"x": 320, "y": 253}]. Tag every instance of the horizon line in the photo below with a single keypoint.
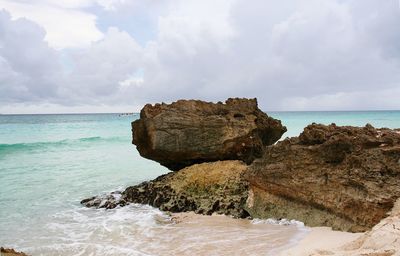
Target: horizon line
[{"x": 266, "y": 111}]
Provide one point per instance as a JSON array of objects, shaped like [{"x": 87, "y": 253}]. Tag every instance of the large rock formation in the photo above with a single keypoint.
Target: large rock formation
[
  {"x": 206, "y": 188},
  {"x": 187, "y": 132},
  {"x": 343, "y": 177}
]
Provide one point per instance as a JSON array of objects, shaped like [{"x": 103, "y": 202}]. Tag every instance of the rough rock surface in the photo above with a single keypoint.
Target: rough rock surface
[
  {"x": 206, "y": 188},
  {"x": 108, "y": 201},
  {"x": 343, "y": 177},
  {"x": 187, "y": 132},
  {"x": 382, "y": 240},
  {"x": 10, "y": 252}
]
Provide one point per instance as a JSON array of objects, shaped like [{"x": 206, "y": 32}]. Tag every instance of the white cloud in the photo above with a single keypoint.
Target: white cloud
[
  {"x": 65, "y": 27},
  {"x": 29, "y": 68},
  {"x": 98, "y": 70},
  {"x": 31, "y": 71},
  {"x": 301, "y": 54},
  {"x": 275, "y": 51}
]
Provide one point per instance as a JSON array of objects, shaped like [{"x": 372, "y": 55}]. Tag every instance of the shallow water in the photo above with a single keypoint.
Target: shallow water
[{"x": 48, "y": 163}]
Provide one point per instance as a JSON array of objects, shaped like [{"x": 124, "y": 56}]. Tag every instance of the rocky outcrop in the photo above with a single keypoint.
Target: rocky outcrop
[
  {"x": 206, "y": 188},
  {"x": 343, "y": 177},
  {"x": 10, "y": 252},
  {"x": 188, "y": 132}
]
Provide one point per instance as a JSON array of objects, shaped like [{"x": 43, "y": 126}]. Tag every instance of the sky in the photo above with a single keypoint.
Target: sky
[{"x": 71, "y": 56}]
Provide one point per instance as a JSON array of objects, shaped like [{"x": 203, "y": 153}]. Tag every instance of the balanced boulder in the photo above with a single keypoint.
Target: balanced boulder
[{"x": 188, "y": 132}]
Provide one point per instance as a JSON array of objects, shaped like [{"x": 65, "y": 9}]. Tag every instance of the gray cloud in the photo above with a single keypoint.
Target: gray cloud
[
  {"x": 314, "y": 54},
  {"x": 29, "y": 68},
  {"x": 99, "y": 71},
  {"x": 289, "y": 55}
]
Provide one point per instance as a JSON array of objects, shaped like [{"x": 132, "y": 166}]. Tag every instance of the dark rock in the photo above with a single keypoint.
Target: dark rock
[
  {"x": 10, "y": 252},
  {"x": 207, "y": 188},
  {"x": 343, "y": 177},
  {"x": 187, "y": 132},
  {"x": 109, "y": 201}
]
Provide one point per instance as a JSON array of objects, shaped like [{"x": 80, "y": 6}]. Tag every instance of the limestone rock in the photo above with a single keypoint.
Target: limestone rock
[
  {"x": 343, "y": 177},
  {"x": 10, "y": 252},
  {"x": 383, "y": 239},
  {"x": 206, "y": 188},
  {"x": 108, "y": 201},
  {"x": 187, "y": 132}
]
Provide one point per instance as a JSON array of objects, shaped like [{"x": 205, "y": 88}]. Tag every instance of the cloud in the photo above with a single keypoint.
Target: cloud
[
  {"x": 296, "y": 55},
  {"x": 29, "y": 68},
  {"x": 99, "y": 70},
  {"x": 65, "y": 25},
  {"x": 279, "y": 51},
  {"x": 32, "y": 72}
]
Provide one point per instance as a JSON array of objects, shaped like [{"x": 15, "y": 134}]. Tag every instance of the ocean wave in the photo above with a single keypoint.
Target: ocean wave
[
  {"x": 43, "y": 145},
  {"x": 96, "y": 138},
  {"x": 143, "y": 230}
]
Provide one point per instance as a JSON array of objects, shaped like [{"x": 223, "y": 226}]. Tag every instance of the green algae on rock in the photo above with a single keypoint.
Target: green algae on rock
[{"x": 206, "y": 188}]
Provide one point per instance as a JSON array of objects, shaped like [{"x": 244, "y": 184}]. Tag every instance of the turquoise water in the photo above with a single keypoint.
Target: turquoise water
[
  {"x": 48, "y": 163},
  {"x": 296, "y": 121}
]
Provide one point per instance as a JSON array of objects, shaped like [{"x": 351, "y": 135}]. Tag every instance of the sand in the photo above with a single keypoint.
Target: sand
[
  {"x": 223, "y": 235},
  {"x": 321, "y": 241},
  {"x": 382, "y": 240}
]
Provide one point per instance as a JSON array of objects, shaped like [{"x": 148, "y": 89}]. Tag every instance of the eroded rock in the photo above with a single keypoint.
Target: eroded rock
[
  {"x": 343, "y": 177},
  {"x": 108, "y": 201},
  {"x": 206, "y": 188},
  {"x": 10, "y": 252},
  {"x": 187, "y": 132}
]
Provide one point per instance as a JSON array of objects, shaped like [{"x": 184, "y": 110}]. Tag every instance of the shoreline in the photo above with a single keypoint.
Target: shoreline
[
  {"x": 320, "y": 241},
  {"x": 220, "y": 234},
  {"x": 381, "y": 240},
  {"x": 300, "y": 241},
  {"x": 278, "y": 236}
]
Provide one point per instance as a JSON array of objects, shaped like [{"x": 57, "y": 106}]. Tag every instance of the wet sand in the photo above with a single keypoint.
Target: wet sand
[{"x": 222, "y": 235}]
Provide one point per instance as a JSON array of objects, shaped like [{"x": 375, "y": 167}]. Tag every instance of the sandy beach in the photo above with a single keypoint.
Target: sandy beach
[
  {"x": 382, "y": 240},
  {"x": 321, "y": 241},
  {"x": 223, "y": 235}
]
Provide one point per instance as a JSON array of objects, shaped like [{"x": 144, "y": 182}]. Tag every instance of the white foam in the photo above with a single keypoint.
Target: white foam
[
  {"x": 281, "y": 222},
  {"x": 143, "y": 230},
  {"x": 302, "y": 232}
]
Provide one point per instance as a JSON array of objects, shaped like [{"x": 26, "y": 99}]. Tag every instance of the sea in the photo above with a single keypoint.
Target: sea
[{"x": 49, "y": 163}]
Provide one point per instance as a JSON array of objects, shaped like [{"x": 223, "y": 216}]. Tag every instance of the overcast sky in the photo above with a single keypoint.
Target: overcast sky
[{"x": 116, "y": 55}]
